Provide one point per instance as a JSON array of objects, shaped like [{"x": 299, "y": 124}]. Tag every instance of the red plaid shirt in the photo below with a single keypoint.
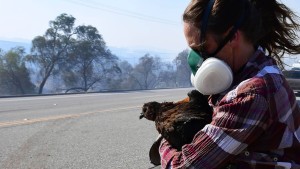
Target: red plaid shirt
[{"x": 256, "y": 124}]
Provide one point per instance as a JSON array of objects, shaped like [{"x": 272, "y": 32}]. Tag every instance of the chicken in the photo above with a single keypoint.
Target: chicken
[{"x": 179, "y": 122}]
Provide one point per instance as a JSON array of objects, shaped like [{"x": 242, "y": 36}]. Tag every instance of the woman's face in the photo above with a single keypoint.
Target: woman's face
[{"x": 192, "y": 35}]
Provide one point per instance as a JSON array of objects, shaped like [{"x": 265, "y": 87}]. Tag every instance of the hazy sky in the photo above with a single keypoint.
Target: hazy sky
[
  {"x": 152, "y": 24},
  {"x": 144, "y": 24}
]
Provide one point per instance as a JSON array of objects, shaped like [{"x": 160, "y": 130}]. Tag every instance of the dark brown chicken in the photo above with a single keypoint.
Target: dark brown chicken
[{"x": 179, "y": 122}]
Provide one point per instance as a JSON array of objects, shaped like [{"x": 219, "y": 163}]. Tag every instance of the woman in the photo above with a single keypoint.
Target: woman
[{"x": 256, "y": 120}]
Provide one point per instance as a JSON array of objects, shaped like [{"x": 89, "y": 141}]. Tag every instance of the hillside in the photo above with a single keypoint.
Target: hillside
[
  {"x": 7, "y": 45},
  {"x": 130, "y": 55}
]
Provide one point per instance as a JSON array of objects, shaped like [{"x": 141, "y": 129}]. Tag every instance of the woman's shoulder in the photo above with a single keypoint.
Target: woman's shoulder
[{"x": 263, "y": 84}]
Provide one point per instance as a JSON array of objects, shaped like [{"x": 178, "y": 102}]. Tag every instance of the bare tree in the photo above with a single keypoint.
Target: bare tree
[
  {"x": 90, "y": 62},
  {"x": 167, "y": 76},
  {"x": 183, "y": 71},
  {"x": 49, "y": 50},
  {"x": 123, "y": 80},
  {"x": 145, "y": 72}
]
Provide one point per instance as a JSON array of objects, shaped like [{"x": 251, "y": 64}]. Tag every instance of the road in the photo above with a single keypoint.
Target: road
[{"x": 92, "y": 131}]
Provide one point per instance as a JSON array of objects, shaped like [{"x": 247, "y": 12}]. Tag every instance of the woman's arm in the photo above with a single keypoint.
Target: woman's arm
[{"x": 235, "y": 125}]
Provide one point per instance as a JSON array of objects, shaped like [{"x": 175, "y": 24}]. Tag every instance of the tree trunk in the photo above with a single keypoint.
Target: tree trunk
[{"x": 41, "y": 87}]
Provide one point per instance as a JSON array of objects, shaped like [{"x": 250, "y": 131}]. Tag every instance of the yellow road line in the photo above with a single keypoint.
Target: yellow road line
[{"x": 51, "y": 118}]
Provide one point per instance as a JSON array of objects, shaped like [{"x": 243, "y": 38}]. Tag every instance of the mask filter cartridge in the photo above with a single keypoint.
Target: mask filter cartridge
[{"x": 214, "y": 76}]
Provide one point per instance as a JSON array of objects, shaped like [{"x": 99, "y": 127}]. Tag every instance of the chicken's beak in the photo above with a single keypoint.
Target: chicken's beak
[{"x": 142, "y": 115}]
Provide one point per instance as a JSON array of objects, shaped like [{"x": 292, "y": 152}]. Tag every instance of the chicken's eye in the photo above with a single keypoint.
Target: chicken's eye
[{"x": 144, "y": 109}]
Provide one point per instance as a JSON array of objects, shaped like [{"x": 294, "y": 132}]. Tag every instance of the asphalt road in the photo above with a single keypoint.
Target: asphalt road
[{"x": 84, "y": 131}]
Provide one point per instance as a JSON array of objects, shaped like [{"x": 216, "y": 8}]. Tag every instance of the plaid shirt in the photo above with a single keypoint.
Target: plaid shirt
[{"x": 256, "y": 124}]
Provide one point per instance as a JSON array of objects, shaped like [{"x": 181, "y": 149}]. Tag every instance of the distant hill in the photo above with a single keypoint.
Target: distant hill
[
  {"x": 7, "y": 45},
  {"x": 133, "y": 55},
  {"x": 130, "y": 55}
]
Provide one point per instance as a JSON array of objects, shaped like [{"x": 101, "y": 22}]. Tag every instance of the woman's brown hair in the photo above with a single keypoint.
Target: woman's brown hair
[{"x": 267, "y": 23}]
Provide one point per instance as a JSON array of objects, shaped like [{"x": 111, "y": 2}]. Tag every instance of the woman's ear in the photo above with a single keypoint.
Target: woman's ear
[{"x": 235, "y": 38}]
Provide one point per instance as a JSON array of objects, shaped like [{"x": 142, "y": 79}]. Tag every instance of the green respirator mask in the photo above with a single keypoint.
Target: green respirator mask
[{"x": 194, "y": 61}]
